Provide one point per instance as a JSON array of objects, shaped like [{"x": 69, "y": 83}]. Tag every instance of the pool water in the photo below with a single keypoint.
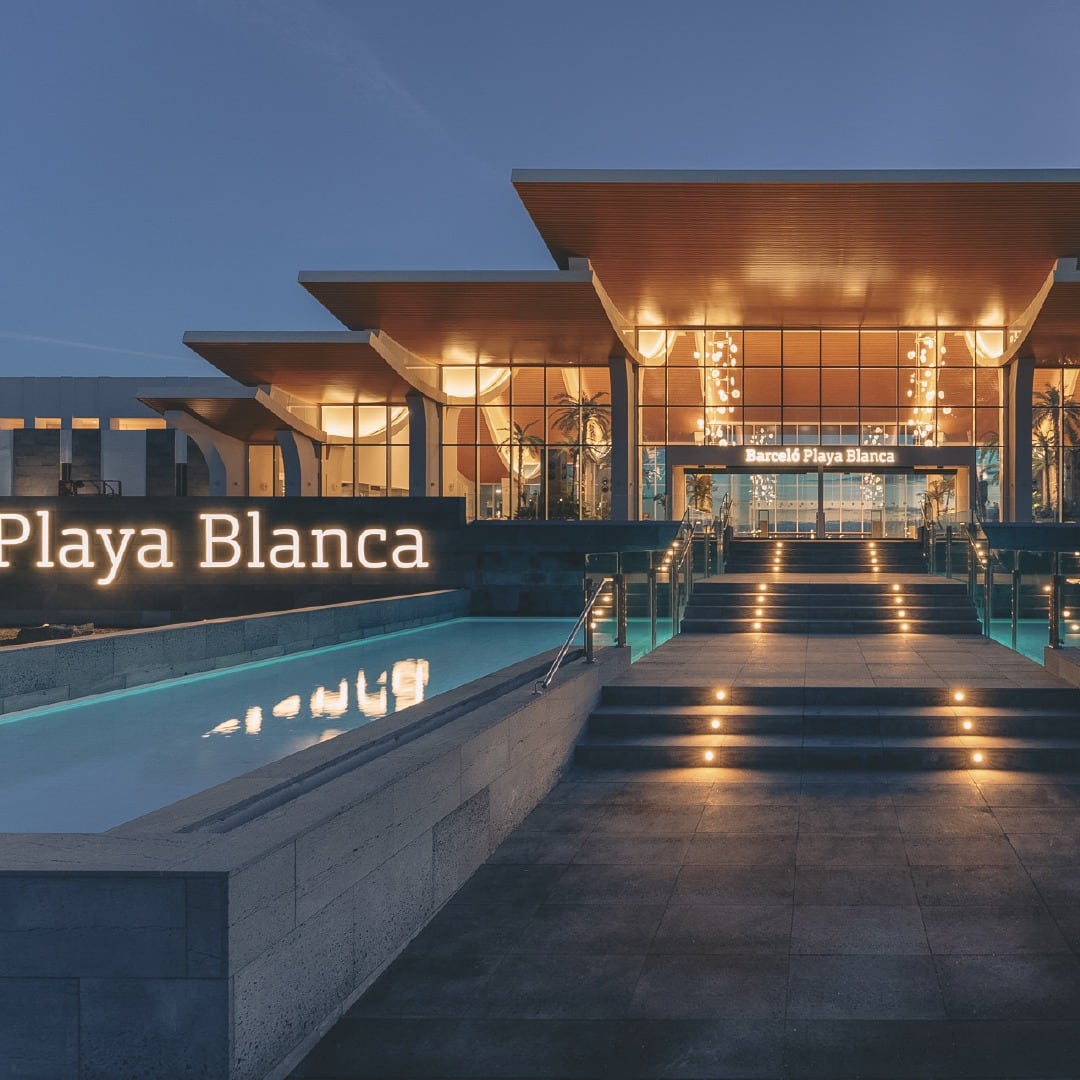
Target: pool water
[{"x": 91, "y": 764}]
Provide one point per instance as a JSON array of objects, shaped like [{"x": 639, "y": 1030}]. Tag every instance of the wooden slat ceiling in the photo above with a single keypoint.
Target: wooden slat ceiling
[
  {"x": 331, "y": 372},
  {"x": 774, "y": 251},
  {"x": 550, "y": 318},
  {"x": 1055, "y": 335},
  {"x": 246, "y": 419}
]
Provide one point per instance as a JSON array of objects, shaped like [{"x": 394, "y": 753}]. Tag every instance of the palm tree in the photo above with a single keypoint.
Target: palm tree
[
  {"x": 520, "y": 440},
  {"x": 1051, "y": 419},
  {"x": 699, "y": 488},
  {"x": 586, "y": 423}
]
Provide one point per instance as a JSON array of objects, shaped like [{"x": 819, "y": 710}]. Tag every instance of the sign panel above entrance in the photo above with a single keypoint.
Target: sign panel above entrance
[{"x": 773, "y": 458}]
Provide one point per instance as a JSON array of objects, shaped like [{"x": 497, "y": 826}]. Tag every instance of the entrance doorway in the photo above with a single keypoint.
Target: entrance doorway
[{"x": 882, "y": 503}]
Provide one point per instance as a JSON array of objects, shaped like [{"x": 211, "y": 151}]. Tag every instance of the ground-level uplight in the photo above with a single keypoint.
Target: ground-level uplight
[{"x": 709, "y": 755}]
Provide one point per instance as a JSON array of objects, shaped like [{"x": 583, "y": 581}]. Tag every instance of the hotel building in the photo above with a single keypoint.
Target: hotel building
[{"x": 828, "y": 349}]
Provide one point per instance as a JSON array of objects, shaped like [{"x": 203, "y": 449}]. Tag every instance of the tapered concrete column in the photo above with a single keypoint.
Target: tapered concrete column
[
  {"x": 226, "y": 457},
  {"x": 425, "y": 444},
  {"x": 301, "y": 457},
  {"x": 624, "y": 465},
  {"x": 1016, "y": 483}
]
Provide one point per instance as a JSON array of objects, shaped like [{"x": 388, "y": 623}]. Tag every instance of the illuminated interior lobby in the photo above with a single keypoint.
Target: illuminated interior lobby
[{"x": 828, "y": 350}]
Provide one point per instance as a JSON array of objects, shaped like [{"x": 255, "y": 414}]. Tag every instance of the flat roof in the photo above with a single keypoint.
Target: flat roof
[
  {"x": 470, "y": 317},
  {"x": 811, "y": 248}
]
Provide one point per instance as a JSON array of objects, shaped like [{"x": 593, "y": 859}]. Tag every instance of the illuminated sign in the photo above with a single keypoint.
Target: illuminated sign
[
  {"x": 817, "y": 455},
  {"x": 223, "y": 541}
]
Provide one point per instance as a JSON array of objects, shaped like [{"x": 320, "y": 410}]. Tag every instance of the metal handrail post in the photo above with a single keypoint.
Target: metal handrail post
[
  {"x": 1057, "y": 591},
  {"x": 972, "y": 576},
  {"x": 948, "y": 552},
  {"x": 673, "y": 578},
  {"x": 620, "y": 610},
  {"x": 1016, "y": 583},
  {"x": 652, "y": 606},
  {"x": 589, "y": 644},
  {"x": 988, "y": 590}
]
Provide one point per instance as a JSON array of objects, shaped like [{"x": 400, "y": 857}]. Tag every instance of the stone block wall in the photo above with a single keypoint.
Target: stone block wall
[
  {"x": 51, "y": 671},
  {"x": 220, "y": 936}
]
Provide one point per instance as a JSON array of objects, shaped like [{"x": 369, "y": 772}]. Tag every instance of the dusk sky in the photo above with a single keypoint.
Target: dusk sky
[{"x": 171, "y": 166}]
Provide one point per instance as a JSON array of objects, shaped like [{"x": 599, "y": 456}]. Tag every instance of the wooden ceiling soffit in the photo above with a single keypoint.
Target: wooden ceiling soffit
[
  {"x": 828, "y": 250},
  {"x": 1054, "y": 333},
  {"x": 250, "y": 414},
  {"x": 328, "y": 368},
  {"x": 466, "y": 318}
]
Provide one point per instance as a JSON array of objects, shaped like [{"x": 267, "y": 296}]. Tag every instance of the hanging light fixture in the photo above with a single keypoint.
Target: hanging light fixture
[{"x": 718, "y": 427}]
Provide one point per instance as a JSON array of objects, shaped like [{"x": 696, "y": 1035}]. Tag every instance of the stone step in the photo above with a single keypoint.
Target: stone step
[
  {"x": 829, "y": 752},
  {"x": 614, "y": 720},
  {"x": 824, "y": 625}
]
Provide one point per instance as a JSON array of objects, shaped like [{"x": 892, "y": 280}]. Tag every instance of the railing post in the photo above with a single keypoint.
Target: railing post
[
  {"x": 620, "y": 610},
  {"x": 1057, "y": 590},
  {"x": 589, "y": 649},
  {"x": 948, "y": 552},
  {"x": 1016, "y": 583},
  {"x": 988, "y": 590},
  {"x": 972, "y": 575},
  {"x": 673, "y": 578},
  {"x": 652, "y": 606}
]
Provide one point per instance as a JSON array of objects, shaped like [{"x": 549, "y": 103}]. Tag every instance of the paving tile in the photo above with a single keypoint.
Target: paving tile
[
  {"x": 761, "y": 821},
  {"x": 650, "y": 819},
  {"x": 848, "y": 820},
  {"x": 509, "y": 883},
  {"x": 733, "y": 986},
  {"x": 463, "y": 930},
  {"x": 716, "y": 848},
  {"x": 593, "y": 884},
  {"x": 634, "y": 792},
  {"x": 937, "y": 886},
  {"x": 858, "y": 929},
  {"x": 864, "y": 988},
  {"x": 537, "y": 847},
  {"x": 782, "y": 793},
  {"x": 1056, "y": 849},
  {"x": 948, "y": 821},
  {"x": 843, "y": 850},
  {"x": 960, "y": 851},
  {"x": 1046, "y": 820},
  {"x": 1017, "y": 987},
  {"x": 541, "y": 986},
  {"x": 734, "y": 884},
  {"x": 1030, "y": 795},
  {"x": 869, "y": 1049},
  {"x": 1067, "y": 918},
  {"x": 428, "y": 985},
  {"x": 712, "y": 928},
  {"x": 563, "y": 818},
  {"x": 992, "y": 929},
  {"x": 590, "y": 928},
  {"x": 1058, "y": 885},
  {"x": 853, "y": 885}
]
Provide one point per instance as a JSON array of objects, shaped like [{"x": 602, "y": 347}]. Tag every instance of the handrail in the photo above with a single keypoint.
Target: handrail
[{"x": 590, "y": 602}]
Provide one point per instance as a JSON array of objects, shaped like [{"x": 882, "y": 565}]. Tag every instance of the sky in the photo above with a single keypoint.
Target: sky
[{"x": 171, "y": 165}]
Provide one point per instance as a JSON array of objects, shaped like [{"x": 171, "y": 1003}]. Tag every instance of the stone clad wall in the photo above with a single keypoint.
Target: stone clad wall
[
  {"x": 219, "y": 937},
  {"x": 50, "y": 671}
]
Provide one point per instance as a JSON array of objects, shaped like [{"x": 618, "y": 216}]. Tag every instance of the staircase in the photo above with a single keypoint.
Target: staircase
[
  {"x": 828, "y": 587},
  {"x": 637, "y": 726}
]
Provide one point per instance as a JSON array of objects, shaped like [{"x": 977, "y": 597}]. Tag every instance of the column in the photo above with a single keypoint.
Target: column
[
  {"x": 226, "y": 457},
  {"x": 425, "y": 445},
  {"x": 301, "y": 457},
  {"x": 1016, "y": 479},
  {"x": 625, "y": 504}
]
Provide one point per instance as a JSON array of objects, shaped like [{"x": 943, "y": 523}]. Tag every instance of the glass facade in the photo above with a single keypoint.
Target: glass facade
[
  {"x": 528, "y": 442},
  {"x": 771, "y": 387},
  {"x": 368, "y": 450},
  {"x": 1055, "y": 443}
]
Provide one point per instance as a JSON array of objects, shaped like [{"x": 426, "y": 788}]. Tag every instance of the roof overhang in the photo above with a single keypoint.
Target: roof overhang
[
  {"x": 1054, "y": 334},
  {"x": 333, "y": 367},
  {"x": 821, "y": 249},
  {"x": 466, "y": 318},
  {"x": 251, "y": 414}
]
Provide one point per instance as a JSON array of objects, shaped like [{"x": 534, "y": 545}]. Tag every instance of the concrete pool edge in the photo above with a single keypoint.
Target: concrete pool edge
[
  {"x": 47, "y": 672},
  {"x": 167, "y": 948}
]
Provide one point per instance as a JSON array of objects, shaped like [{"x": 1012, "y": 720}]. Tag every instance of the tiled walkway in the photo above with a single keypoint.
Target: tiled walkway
[{"x": 723, "y": 923}]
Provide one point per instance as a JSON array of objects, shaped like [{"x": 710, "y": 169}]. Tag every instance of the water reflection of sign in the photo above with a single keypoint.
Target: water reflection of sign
[
  {"x": 406, "y": 684},
  {"x": 817, "y": 455},
  {"x": 224, "y": 541}
]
